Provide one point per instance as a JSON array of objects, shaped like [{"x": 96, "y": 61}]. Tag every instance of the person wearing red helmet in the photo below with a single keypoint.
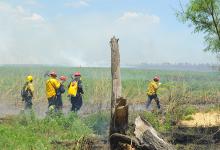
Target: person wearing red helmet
[
  {"x": 52, "y": 84},
  {"x": 53, "y": 74},
  {"x": 75, "y": 91},
  {"x": 77, "y": 74},
  {"x": 60, "y": 91},
  {"x": 153, "y": 86}
]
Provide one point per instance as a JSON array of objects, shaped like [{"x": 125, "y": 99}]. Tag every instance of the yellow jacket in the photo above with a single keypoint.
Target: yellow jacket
[
  {"x": 30, "y": 88},
  {"x": 152, "y": 88},
  {"x": 52, "y": 85}
]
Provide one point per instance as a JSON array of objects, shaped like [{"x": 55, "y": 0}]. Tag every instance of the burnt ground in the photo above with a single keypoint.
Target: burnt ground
[
  {"x": 41, "y": 107},
  {"x": 13, "y": 107}
]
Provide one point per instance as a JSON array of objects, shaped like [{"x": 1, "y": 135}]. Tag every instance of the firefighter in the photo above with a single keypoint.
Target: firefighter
[
  {"x": 27, "y": 92},
  {"x": 153, "y": 86},
  {"x": 52, "y": 84},
  {"x": 60, "y": 91},
  {"x": 75, "y": 91}
]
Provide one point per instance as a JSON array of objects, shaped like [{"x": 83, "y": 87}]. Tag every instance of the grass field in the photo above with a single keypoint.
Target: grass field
[
  {"x": 27, "y": 132},
  {"x": 192, "y": 87},
  {"x": 181, "y": 92}
]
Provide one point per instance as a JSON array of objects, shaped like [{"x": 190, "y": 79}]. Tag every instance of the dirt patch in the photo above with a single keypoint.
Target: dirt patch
[
  {"x": 8, "y": 119},
  {"x": 201, "y": 119}
]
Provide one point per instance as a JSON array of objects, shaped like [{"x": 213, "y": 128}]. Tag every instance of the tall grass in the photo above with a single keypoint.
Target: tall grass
[{"x": 192, "y": 87}]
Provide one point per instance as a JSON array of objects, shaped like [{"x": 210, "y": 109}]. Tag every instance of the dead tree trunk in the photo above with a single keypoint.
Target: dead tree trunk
[
  {"x": 116, "y": 80},
  {"x": 116, "y": 73},
  {"x": 146, "y": 134},
  {"x": 119, "y": 107}
]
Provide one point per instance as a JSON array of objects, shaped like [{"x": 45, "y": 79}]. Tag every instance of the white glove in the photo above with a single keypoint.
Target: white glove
[{"x": 160, "y": 83}]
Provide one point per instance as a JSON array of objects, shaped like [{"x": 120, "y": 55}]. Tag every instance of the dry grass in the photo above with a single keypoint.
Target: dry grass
[{"x": 202, "y": 119}]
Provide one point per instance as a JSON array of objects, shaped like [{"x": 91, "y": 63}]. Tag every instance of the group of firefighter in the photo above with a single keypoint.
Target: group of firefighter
[{"x": 55, "y": 88}]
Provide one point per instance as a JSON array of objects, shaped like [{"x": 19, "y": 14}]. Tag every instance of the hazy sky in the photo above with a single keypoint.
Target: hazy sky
[{"x": 77, "y": 32}]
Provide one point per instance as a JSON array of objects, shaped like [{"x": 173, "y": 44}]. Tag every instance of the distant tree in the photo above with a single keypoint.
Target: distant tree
[{"x": 204, "y": 16}]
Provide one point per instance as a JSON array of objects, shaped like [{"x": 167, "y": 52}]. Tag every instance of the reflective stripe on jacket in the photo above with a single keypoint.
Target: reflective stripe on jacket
[
  {"x": 152, "y": 88},
  {"x": 52, "y": 85}
]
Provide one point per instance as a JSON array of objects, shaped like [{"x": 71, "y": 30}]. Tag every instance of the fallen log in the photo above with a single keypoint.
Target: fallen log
[{"x": 146, "y": 134}]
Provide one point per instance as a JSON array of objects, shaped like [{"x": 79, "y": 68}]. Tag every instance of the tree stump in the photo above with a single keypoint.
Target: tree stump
[
  {"x": 119, "y": 107},
  {"x": 116, "y": 82},
  {"x": 120, "y": 117}
]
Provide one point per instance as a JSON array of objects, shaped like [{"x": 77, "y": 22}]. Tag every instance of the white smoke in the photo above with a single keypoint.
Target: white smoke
[{"x": 28, "y": 37}]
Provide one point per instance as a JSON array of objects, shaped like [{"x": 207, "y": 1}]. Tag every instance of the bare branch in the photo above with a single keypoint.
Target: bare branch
[{"x": 181, "y": 6}]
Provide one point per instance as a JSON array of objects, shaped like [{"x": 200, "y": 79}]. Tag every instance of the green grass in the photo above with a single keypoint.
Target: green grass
[
  {"x": 160, "y": 122},
  {"x": 189, "y": 110},
  {"x": 177, "y": 111},
  {"x": 28, "y": 132},
  {"x": 164, "y": 122},
  {"x": 99, "y": 122},
  {"x": 189, "y": 117}
]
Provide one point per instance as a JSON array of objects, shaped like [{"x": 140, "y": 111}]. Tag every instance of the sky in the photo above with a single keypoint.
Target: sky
[{"x": 77, "y": 33}]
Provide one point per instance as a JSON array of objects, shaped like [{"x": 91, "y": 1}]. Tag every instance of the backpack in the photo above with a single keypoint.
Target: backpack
[
  {"x": 24, "y": 91},
  {"x": 73, "y": 87},
  {"x": 60, "y": 90}
]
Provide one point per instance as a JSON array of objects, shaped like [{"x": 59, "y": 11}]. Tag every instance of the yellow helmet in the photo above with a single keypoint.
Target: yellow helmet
[{"x": 29, "y": 78}]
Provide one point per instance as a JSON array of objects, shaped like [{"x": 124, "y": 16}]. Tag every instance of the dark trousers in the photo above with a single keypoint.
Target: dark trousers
[
  {"x": 76, "y": 103},
  {"x": 59, "y": 102},
  {"x": 150, "y": 98},
  {"x": 52, "y": 102},
  {"x": 28, "y": 102}
]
